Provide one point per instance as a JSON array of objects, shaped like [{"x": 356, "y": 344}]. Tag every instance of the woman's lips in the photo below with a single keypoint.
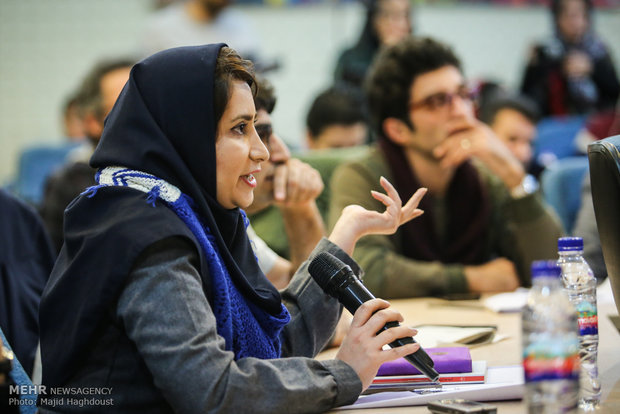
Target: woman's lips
[{"x": 249, "y": 180}]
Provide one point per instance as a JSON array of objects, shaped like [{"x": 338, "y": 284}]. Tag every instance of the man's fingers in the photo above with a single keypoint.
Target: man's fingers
[{"x": 279, "y": 182}]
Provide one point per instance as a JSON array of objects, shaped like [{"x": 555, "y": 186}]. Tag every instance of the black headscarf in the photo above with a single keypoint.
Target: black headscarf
[{"x": 162, "y": 124}]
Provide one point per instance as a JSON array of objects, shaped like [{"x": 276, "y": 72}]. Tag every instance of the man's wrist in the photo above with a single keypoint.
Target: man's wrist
[{"x": 529, "y": 185}]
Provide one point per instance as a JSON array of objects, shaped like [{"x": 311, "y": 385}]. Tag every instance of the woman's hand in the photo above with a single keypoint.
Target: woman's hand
[
  {"x": 355, "y": 221},
  {"x": 363, "y": 349}
]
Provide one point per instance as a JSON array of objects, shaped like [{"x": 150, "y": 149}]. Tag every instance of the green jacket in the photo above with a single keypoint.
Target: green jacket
[{"x": 521, "y": 230}]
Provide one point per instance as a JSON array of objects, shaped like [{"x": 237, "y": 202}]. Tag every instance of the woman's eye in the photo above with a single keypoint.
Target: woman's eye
[{"x": 240, "y": 129}]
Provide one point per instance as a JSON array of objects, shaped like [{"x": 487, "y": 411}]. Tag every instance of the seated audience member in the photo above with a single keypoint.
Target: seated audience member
[
  {"x": 286, "y": 189},
  {"x": 387, "y": 21},
  {"x": 26, "y": 260},
  {"x": 96, "y": 98},
  {"x": 483, "y": 225},
  {"x": 158, "y": 296},
  {"x": 337, "y": 118},
  {"x": 572, "y": 72},
  {"x": 513, "y": 119}
]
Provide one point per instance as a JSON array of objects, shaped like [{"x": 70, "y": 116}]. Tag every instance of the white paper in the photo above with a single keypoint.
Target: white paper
[
  {"x": 503, "y": 383},
  {"x": 507, "y": 302}
]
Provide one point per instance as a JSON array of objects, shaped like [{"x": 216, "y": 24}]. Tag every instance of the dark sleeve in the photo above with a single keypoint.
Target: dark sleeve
[
  {"x": 314, "y": 315},
  {"x": 535, "y": 79},
  {"x": 606, "y": 80},
  {"x": 166, "y": 314}
]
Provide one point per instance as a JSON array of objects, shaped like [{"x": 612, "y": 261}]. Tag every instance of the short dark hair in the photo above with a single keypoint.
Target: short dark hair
[
  {"x": 89, "y": 97},
  {"x": 395, "y": 70},
  {"x": 266, "y": 96},
  {"x": 338, "y": 105},
  {"x": 522, "y": 104},
  {"x": 230, "y": 66}
]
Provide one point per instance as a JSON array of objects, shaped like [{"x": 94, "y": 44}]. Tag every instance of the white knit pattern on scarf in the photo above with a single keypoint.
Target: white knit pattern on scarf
[{"x": 121, "y": 176}]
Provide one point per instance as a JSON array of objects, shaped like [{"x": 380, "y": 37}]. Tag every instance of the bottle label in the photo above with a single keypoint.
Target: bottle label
[
  {"x": 587, "y": 319},
  {"x": 552, "y": 359}
]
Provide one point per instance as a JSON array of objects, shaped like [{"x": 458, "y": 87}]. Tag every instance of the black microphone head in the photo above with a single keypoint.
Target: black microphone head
[{"x": 323, "y": 267}]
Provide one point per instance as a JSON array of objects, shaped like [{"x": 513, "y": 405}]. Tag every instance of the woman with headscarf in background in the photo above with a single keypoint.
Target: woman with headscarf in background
[
  {"x": 157, "y": 300},
  {"x": 571, "y": 73},
  {"x": 387, "y": 21}
]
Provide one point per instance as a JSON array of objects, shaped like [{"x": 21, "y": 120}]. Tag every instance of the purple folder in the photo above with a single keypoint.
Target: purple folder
[{"x": 449, "y": 359}]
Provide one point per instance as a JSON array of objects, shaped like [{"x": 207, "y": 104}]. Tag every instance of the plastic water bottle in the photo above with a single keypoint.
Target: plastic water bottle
[
  {"x": 580, "y": 285},
  {"x": 550, "y": 344}
]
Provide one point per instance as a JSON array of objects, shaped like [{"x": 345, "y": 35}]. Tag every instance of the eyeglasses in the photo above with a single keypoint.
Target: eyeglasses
[
  {"x": 442, "y": 99},
  {"x": 264, "y": 132}
]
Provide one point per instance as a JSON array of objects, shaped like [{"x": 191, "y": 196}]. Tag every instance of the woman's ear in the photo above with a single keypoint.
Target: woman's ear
[{"x": 396, "y": 130}]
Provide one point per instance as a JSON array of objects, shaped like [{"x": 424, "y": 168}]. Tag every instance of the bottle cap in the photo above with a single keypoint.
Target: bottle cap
[
  {"x": 566, "y": 244},
  {"x": 546, "y": 268}
]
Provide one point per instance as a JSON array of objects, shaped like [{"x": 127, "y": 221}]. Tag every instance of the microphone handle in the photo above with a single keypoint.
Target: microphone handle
[{"x": 358, "y": 294}]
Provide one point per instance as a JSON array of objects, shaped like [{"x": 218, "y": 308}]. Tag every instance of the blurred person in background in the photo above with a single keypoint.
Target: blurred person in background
[
  {"x": 483, "y": 222},
  {"x": 513, "y": 119},
  {"x": 96, "y": 97},
  {"x": 286, "y": 190},
  {"x": 197, "y": 22},
  {"x": 387, "y": 21},
  {"x": 337, "y": 118},
  {"x": 572, "y": 72}
]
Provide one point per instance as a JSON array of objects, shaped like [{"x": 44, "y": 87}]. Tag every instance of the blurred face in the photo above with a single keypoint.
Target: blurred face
[
  {"x": 340, "y": 136},
  {"x": 279, "y": 153},
  {"x": 214, "y": 7},
  {"x": 517, "y": 132},
  {"x": 111, "y": 85},
  {"x": 437, "y": 100},
  {"x": 392, "y": 21},
  {"x": 239, "y": 151},
  {"x": 573, "y": 20}
]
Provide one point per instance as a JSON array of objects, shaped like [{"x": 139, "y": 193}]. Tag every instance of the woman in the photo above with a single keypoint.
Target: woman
[
  {"x": 571, "y": 73},
  {"x": 157, "y": 297},
  {"x": 387, "y": 21}
]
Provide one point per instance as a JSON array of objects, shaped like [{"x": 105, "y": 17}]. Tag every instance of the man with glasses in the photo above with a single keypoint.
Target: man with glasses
[
  {"x": 292, "y": 186},
  {"x": 484, "y": 222}
]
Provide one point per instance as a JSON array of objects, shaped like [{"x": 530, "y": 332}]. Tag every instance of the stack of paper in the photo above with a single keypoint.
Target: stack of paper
[
  {"x": 391, "y": 382},
  {"x": 501, "y": 383}
]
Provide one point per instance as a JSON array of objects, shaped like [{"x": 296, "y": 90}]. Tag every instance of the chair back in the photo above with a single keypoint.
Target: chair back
[
  {"x": 604, "y": 158},
  {"x": 561, "y": 186},
  {"x": 35, "y": 165},
  {"x": 555, "y": 138}
]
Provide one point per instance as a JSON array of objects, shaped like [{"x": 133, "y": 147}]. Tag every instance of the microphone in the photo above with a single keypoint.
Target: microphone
[{"x": 338, "y": 280}]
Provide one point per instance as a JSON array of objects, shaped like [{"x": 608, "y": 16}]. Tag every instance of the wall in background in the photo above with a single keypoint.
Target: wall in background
[{"x": 47, "y": 46}]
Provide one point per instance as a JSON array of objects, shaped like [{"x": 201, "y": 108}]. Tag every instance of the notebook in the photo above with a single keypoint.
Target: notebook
[{"x": 446, "y": 359}]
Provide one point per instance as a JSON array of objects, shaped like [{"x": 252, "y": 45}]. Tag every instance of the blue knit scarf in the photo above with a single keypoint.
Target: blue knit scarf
[{"x": 248, "y": 330}]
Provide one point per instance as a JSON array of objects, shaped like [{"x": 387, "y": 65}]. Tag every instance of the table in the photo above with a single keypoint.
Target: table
[{"x": 507, "y": 351}]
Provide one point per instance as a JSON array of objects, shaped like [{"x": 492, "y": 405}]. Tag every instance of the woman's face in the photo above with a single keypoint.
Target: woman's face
[
  {"x": 238, "y": 149},
  {"x": 392, "y": 21},
  {"x": 573, "y": 20}
]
